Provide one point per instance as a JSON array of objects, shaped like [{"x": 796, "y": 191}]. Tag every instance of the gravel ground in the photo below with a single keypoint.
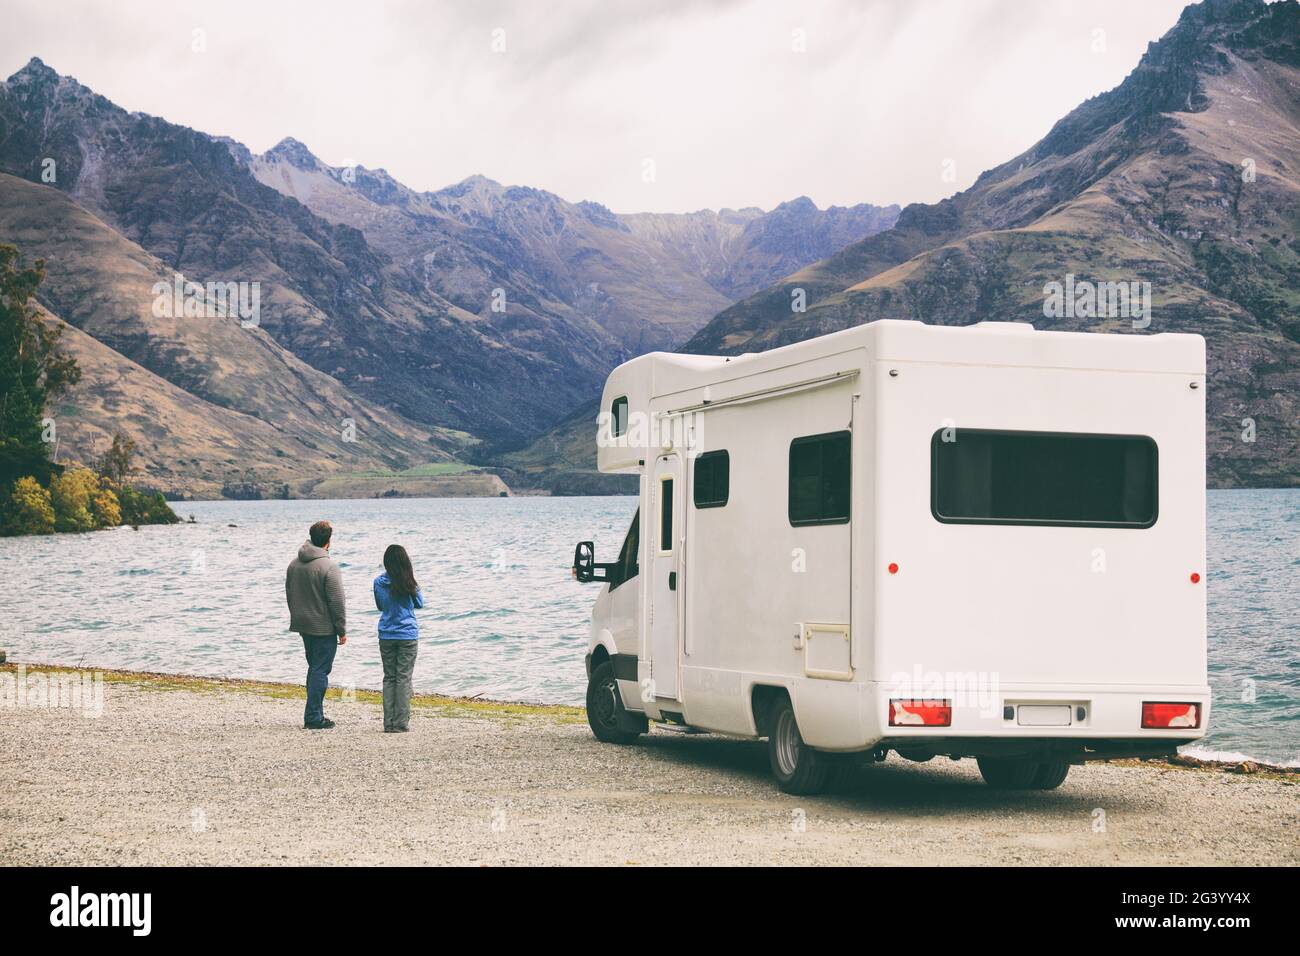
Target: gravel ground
[{"x": 175, "y": 775}]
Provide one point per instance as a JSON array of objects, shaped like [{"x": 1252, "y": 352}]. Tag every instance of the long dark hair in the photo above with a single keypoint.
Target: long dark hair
[{"x": 401, "y": 577}]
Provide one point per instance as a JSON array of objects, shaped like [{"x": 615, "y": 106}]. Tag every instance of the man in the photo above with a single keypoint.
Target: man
[{"x": 313, "y": 586}]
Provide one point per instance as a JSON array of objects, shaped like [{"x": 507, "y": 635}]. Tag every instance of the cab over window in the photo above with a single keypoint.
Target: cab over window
[{"x": 618, "y": 416}]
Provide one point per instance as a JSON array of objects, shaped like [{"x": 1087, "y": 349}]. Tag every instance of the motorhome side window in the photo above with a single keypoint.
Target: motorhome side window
[
  {"x": 1043, "y": 478},
  {"x": 627, "y": 556},
  {"x": 665, "y": 515},
  {"x": 712, "y": 480},
  {"x": 618, "y": 416},
  {"x": 820, "y": 479}
]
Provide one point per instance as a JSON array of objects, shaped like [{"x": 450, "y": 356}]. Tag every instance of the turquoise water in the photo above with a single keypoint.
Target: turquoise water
[
  {"x": 505, "y": 620},
  {"x": 1254, "y": 625}
]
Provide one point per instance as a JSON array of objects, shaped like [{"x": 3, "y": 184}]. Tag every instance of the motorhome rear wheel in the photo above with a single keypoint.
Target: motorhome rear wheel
[
  {"x": 797, "y": 767},
  {"x": 1022, "y": 773}
]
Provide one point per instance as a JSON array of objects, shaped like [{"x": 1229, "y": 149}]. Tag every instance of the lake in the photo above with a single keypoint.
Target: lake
[{"x": 504, "y": 619}]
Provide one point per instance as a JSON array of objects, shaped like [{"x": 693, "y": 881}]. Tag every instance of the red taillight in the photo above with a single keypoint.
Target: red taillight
[
  {"x": 920, "y": 713},
  {"x": 1196, "y": 578},
  {"x": 1162, "y": 716},
  {"x": 893, "y": 567}
]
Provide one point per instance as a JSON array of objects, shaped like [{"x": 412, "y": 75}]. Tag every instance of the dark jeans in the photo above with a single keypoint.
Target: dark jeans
[
  {"x": 320, "y": 661},
  {"x": 399, "y": 664}
]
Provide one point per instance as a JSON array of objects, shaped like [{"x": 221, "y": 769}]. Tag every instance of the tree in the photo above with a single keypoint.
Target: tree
[
  {"x": 34, "y": 371},
  {"x": 104, "y": 508},
  {"x": 71, "y": 494},
  {"x": 28, "y": 509},
  {"x": 116, "y": 465},
  {"x": 140, "y": 507}
]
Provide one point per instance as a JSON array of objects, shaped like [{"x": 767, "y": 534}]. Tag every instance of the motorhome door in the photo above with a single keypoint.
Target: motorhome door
[{"x": 667, "y": 533}]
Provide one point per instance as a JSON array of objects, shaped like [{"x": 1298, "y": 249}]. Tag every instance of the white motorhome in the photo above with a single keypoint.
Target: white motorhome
[{"x": 985, "y": 541}]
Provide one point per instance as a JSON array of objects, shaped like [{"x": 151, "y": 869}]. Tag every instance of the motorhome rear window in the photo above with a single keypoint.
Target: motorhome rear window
[
  {"x": 1043, "y": 478},
  {"x": 618, "y": 416},
  {"x": 712, "y": 484},
  {"x": 819, "y": 479}
]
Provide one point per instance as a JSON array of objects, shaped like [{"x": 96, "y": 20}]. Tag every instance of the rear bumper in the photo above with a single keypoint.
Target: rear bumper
[
  {"x": 1106, "y": 719},
  {"x": 1071, "y": 750}
]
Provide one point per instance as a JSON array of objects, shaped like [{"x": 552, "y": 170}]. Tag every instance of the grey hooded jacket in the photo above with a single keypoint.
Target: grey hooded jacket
[{"x": 313, "y": 586}]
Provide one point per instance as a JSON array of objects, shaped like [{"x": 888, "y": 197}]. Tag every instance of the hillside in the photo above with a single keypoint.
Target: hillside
[
  {"x": 327, "y": 296},
  {"x": 563, "y": 461},
  {"x": 1186, "y": 176},
  {"x": 386, "y": 292},
  {"x": 1148, "y": 182},
  {"x": 206, "y": 400}
]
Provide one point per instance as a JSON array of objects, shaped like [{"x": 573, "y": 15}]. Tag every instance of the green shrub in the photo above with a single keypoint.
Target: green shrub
[{"x": 140, "y": 507}]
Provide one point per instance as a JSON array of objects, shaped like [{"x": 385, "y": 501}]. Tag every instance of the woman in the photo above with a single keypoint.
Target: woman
[{"x": 397, "y": 595}]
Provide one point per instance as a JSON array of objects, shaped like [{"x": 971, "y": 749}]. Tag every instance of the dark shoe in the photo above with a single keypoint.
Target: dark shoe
[{"x": 325, "y": 724}]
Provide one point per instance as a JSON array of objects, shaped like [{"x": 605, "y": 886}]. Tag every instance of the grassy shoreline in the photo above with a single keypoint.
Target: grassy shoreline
[{"x": 443, "y": 705}]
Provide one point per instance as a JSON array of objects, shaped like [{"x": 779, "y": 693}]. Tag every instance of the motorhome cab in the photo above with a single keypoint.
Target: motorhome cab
[{"x": 980, "y": 542}]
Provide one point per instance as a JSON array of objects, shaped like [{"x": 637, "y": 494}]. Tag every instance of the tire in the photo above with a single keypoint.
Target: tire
[
  {"x": 1008, "y": 773},
  {"x": 606, "y": 715},
  {"x": 916, "y": 756},
  {"x": 797, "y": 767},
  {"x": 842, "y": 774},
  {"x": 1051, "y": 775}
]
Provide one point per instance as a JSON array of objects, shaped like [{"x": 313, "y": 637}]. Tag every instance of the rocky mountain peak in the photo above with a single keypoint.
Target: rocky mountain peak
[
  {"x": 34, "y": 72},
  {"x": 36, "y": 86},
  {"x": 799, "y": 206},
  {"x": 475, "y": 185},
  {"x": 1220, "y": 11},
  {"x": 601, "y": 215},
  {"x": 293, "y": 152}
]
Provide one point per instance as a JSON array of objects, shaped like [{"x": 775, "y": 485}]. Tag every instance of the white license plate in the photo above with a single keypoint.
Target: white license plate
[{"x": 1043, "y": 715}]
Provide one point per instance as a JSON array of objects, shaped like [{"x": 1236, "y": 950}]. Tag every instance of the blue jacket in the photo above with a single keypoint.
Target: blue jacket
[{"x": 397, "y": 615}]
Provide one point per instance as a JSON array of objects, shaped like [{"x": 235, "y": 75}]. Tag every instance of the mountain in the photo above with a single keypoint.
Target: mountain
[
  {"x": 206, "y": 400},
  {"x": 741, "y": 252},
  {"x": 1186, "y": 176},
  {"x": 326, "y": 295},
  {"x": 627, "y": 284},
  {"x": 391, "y": 292}
]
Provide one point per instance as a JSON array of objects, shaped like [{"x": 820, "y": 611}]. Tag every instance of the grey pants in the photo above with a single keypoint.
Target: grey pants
[{"x": 399, "y": 664}]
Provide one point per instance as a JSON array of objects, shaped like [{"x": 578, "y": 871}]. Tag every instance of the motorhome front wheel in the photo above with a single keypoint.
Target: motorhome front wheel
[{"x": 608, "y": 719}]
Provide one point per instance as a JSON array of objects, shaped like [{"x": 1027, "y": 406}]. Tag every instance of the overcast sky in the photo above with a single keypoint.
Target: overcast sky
[{"x": 660, "y": 105}]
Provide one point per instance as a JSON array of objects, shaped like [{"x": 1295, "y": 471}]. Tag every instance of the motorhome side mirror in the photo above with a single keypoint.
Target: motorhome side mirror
[
  {"x": 584, "y": 561},
  {"x": 585, "y": 567}
]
